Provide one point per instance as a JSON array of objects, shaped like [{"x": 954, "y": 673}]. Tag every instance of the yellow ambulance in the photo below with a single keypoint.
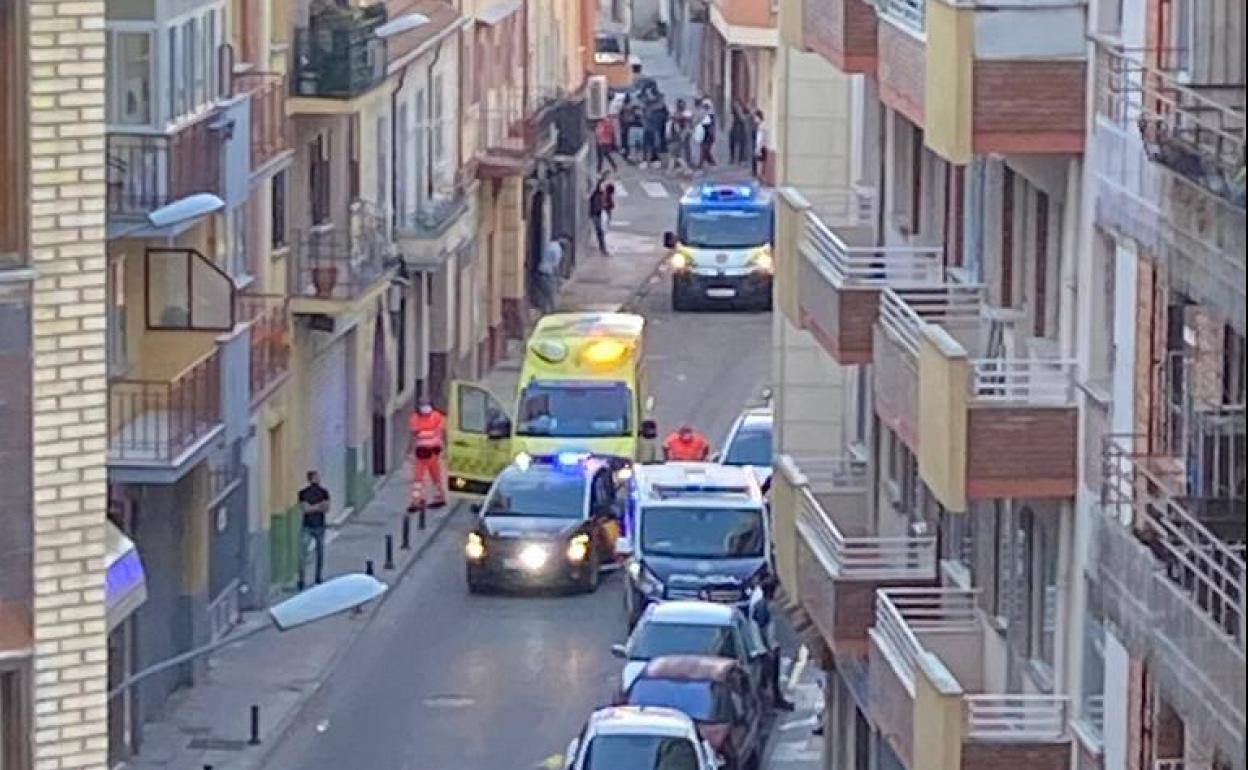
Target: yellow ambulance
[{"x": 582, "y": 389}]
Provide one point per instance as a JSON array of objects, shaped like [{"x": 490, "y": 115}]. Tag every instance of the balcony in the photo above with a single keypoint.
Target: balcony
[
  {"x": 842, "y": 556},
  {"x": 511, "y": 129},
  {"x": 1163, "y": 156},
  {"x": 330, "y": 267},
  {"x": 268, "y": 316},
  {"x": 1168, "y": 570},
  {"x": 270, "y": 127},
  {"x": 338, "y": 55},
  {"x": 148, "y": 171},
  {"x": 839, "y": 284},
  {"x": 932, "y": 690},
  {"x": 843, "y": 32},
  {"x": 982, "y": 425},
  {"x": 163, "y": 424},
  {"x": 977, "y": 56},
  {"x": 438, "y": 227}
]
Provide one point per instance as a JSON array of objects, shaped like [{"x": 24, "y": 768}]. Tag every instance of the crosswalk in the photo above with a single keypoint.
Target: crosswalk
[{"x": 649, "y": 188}]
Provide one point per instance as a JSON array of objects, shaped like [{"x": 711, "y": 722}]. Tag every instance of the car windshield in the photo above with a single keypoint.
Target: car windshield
[
  {"x": 702, "y": 533},
  {"x": 725, "y": 228},
  {"x": 704, "y": 701},
  {"x": 552, "y": 494},
  {"x": 750, "y": 446},
  {"x": 580, "y": 410},
  {"x": 641, "y": 752},
  {"x": 654, "y": 640}
]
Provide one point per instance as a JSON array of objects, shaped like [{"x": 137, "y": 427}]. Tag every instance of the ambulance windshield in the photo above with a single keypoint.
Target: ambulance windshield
[{"x": 574, "y": 409}]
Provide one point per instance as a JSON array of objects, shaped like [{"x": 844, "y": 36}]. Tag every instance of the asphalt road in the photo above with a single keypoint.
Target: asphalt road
[{"x": 442, "y": 680}]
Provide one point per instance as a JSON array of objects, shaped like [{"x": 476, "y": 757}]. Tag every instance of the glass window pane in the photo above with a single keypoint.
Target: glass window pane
[
  {"x": 189, "y": 45},
  {"x": 133, "y": 61},
  {"x": 472, "y": 410}
]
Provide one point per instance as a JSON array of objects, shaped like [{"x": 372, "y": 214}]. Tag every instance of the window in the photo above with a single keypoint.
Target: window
[
  {"x": 382, "y": 147},
  {"x": 277, "y": 211},
  {"x": 117, "y": 353},
  {"x": 13, "y": 726},
  {"x": 436, "y": 111},
  {"x": 1175, "y": 19},
  {"x": 957, "y": 541},
  {"x": 400, "y": 166},
  {"x": 318, "y": 175},
  {"x": 130, "y": 92},
  {"x": 1040, "y": 312},
  {"x": 238, "y": 262},
  {"x": 13, "y": 144},
  {"x": 1033, "y": 589},
  {"x": 1007, "y": 238},
  {"x": 177, "y": 86},
  {"x": 190, "y": 52},
  {"x": 1092, "y": 684},
  {"x": 353, "y": 158},
  {"x": 862, "y": 410},
  {"x": 955, "y": 191}
]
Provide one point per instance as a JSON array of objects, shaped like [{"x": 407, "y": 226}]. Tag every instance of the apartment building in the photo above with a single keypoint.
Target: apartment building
[
  {"x": 1009, "y": 489},
  {"x": 1163, "y": 498},
  {"x": 65, "y": 574}
]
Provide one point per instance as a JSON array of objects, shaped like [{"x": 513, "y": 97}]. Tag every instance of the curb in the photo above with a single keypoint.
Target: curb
[
  {"x": 284, "y": 724},
  {"x": 633, "y": 303}
]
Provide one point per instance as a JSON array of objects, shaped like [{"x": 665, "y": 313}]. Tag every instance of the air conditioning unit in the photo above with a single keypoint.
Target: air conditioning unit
[{"x": 598, "y": 97}]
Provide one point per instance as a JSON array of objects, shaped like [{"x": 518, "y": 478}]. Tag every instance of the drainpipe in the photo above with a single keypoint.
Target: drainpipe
[
  {"x": 437, "y": 54},
  {"x": 394, "y": 146}
]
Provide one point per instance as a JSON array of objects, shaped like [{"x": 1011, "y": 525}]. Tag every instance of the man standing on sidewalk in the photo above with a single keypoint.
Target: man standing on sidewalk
[
  {"x": 314, "y": 503},
  {"x": 549, "y": 268}
]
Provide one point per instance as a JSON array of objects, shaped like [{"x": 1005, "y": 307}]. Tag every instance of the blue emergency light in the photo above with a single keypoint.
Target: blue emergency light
[{"x": 723, "y": 192}]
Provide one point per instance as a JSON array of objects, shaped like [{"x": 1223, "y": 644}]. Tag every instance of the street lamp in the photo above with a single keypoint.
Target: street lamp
[{"x": 317, "y": 603}]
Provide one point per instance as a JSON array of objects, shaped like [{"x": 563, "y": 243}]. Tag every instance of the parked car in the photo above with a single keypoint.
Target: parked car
[
  {"x": 749, "y": 441},
  {"x": 716, "y": 693},
  {"x": 639, "y": 738}
]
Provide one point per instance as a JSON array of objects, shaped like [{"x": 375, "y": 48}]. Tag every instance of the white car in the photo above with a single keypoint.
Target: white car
[
  {"x": 694, "y": 628},
  {"x": 749, "y": 442},
  {"x": 639, "y": 738}
]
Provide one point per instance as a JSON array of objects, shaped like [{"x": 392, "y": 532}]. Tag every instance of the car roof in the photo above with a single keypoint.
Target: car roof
[
  {"x": 721, "y": 194},
  {"x": 756, "y": 416},
  {"x": 689, "y": 668},
  {"x": 644, "y": 720},
  {"x": 697, "y": 483},
  {"x": 588, "y": 324},
  {"x": 693, "y": 613}
]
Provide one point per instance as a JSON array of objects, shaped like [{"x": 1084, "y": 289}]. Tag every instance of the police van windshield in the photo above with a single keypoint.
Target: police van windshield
[
  {"x": 725, "y": 228},
  {"x": 574, "y": 410},
  {"x": 703, "y": 533}
]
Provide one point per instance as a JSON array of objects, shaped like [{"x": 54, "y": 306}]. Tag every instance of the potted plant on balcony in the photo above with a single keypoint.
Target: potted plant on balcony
[{"x": 324, "y": 279}]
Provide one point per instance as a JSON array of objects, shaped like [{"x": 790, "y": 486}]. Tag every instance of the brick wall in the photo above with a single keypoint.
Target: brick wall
[
  {"x": 68, "y": 252},
  {"x": 1029, "y": 106},
  {"x": 901, "y": 69}
]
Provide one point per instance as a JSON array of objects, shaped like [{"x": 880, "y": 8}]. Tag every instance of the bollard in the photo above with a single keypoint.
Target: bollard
[
  {"x": 368, "y": 568},
  {"x": 389, "y": 552},
  {"x": 420, "y": 523},
  {"x": 405, "y": 542},
  {"x": 255, "y": 726}
]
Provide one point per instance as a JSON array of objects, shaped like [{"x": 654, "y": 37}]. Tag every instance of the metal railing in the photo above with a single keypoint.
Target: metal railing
[
  {"x": 1168, "y": 764},
  {"x": 1208, "y": 570},
  {"x": 902, "y": 613},
  {"x": 904, "y": 310},
  {"x": 1197, "y": 130},
  {"x": 147, "y": 171},
  {"x": 157, "y": 420},
  {"x": 868, "y": 266},
  {"x": 1011, "y": 717},
  {"x": 863, "y": 558},
  {"x": 328, "y": 264},
  {"x": 270, "y": 127},
  {"x": 833, "y": 474},
  {"x": 269, "y": 316},
  {"x": 337, "y": 55},
  {"x": 1023, "y": 381},
  {"x": 910, "y": 15}
]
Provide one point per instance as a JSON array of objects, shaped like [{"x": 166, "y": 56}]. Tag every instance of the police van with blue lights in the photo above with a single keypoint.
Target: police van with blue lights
[
  {"x": 548, "y": 520},
  {"x": 695, "y": 531},
  {"x": 722, "y": 247}
]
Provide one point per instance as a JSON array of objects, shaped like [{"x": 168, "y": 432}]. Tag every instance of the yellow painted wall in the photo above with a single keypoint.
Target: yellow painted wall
[
  {"x": 949, "y": 80},
  {"x": 511, "y": 237},
  {"x": 790, "y": 214},
  {"x": 938, "y": 718},
  {"x": 943, "y": 378}
]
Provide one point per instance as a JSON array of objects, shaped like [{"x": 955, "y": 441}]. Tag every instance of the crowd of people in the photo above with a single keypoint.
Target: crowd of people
[{"x": 640, "y": 128}]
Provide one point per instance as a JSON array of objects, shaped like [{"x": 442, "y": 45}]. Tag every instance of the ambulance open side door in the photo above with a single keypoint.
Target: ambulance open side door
[{"x": 479, "y": 438}]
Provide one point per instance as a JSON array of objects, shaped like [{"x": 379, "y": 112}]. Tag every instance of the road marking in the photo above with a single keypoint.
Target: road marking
[
  {"x": 448, "y": 702},
  {"x": 621, "y": 191},
  {"x": 654, "y": 189}
]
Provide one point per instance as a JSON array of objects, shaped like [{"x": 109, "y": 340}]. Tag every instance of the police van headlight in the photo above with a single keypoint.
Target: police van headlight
[
  {"x": 680, "y": 261},
  {"x": 762, "y": 262}
]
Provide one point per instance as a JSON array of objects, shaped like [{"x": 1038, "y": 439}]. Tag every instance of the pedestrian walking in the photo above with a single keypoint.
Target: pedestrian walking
[
  {"x": 759, "y": 161},
  {"x": 608, "y": 204},
  {"x": 428, "y": 430},
  {"x": 314, "y": 505},
  {"x": 597, "y": 215},
  {"x": 705, "y": 138},
  {"x": 737, "y": 152},
  {"x": 604, "y": 132},
  {"x": 548, "y": 273}
]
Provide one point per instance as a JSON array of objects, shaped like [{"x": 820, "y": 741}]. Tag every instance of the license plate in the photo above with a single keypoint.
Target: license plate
[{"x": 721, "y": 293}]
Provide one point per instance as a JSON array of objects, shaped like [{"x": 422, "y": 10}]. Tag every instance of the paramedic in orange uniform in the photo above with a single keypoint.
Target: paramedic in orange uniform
[
  {"x": 686, "y": 444},
  {"x": 428, "y": 427}
]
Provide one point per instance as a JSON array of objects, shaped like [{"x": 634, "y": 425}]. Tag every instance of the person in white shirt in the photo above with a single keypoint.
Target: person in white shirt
[
  {"x": 548, "y": 274},
  {"x": 759, "y": 161}
]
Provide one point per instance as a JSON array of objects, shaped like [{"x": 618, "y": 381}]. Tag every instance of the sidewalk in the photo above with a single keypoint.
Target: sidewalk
[{"x": 793, "y": 744}]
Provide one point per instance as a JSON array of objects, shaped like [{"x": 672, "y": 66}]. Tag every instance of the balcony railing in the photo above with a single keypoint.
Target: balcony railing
[
  {"x": 1145, "y": 494},
  {"x": 269, "y": 316},
  {"x": 157, "y": 421},
  {"x": 1196, "y": 130},
  {"x": 270, "y": 127},
  {"x": 148, "y": 171},
  {"x": 338, "y": 55},
  {"x": 870, "y": 266},
  {"x": 335, "y": 266},
  {"x": 1023, "y": 382},
  {"x": 954, "y": 306},
  {"x": 1016, "y": 717},
  {"x": 858, "y": 557},
  {"x": 910, "y": 15}
]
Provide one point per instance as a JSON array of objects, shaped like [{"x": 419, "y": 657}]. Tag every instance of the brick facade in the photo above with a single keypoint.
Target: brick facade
[
  {"x": 67, "y": 231},
  {"x": 1029, "y": 106}
]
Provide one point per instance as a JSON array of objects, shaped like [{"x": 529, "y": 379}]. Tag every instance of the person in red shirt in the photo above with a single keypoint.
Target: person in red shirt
[
  {"x": 604, "y": 132},
  {"x": 428, "y": 428},
  {"x": 686, "y": 444}
]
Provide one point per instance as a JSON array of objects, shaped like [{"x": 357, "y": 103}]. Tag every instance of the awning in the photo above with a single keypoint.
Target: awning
[{"x": 125, "y": 584}]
